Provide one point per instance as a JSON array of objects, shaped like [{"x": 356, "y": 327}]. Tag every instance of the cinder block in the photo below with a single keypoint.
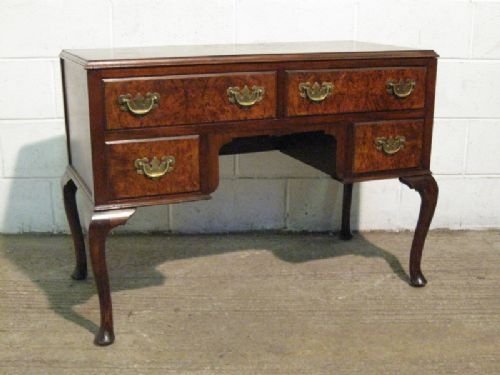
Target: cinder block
[
  {"x": 448, "y": 146},
  {"x": 449, "y": 210},
  {"x": 33, "y": 148},
  {"x": 314, "y": 204},
  {"x": 293, "y": 20},
  {"x": 468, "y": 89},
  {"x": 237, "y": 205},
  {"x": 440, "y": 25},
  {"x": 172, "y": 22},
  {"x": 27, "y": 89},
  {"x": 486, "y": 34},
  {"x": 376, "y": 205},
  {"x": 25, "y": 206},
  {"x": 58, "y": 89},
  {"x": 483, "y": 151},
  {"x": 481, "y": 203},
  {"x": 274, "y": 164},
  {"x": 1, "y": 161},
  {"x": 34, "y": 28}
]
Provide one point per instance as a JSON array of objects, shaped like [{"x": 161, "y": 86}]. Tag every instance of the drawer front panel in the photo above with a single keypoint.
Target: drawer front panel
[
  {"x": 389, "y": 145},
  {"x": 177, "y": 100},
  {"x": 354, "y": 90},
  {"x": 153, "y": 167}
]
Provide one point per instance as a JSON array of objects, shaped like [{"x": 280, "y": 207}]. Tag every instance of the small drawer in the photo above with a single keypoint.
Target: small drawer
[
  {"x": 390, "y": 145},
  {"x": 177, "y": 100},
  {"x": 153, "y": 167},
  {"x": 319, "y": 92}
]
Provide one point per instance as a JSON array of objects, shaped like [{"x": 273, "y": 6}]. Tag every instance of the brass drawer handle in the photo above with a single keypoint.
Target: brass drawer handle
[
  {"x": 155, "y": 168},
  {"x": 401, "y": 89},
  {"x": 390, "y": 145},
  {"x": 139, "y": 105},
  {"x": 245, "y": 97},
  {"x": 316, "y": 93}
]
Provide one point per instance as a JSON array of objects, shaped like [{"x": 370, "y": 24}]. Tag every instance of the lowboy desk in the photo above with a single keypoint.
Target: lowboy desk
[{"x": 145, "y": 126}]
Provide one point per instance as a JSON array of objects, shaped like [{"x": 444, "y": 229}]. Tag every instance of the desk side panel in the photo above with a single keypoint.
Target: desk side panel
[{"x": 76, "y": 101}]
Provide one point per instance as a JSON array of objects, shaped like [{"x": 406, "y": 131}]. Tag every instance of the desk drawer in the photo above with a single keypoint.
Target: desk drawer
[
  {"x": 318, "y": 92},
  {"x": 176, "y": 100},
  {"x": 388, "y": 145},
  {"x": 153, "y": 167}
]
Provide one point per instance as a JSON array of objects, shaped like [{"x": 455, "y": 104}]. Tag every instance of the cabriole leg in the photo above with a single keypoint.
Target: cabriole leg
[
  {"x": 69, "y": 194},
  {"x": 427, "y": 187},
  {"x": 100, "y": 225}
]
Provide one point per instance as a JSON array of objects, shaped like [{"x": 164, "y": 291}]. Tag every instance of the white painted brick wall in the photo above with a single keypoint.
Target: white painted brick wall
[{"x": 260, "y": 191}]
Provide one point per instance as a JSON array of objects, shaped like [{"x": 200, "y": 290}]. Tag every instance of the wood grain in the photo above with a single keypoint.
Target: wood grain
[
  {"x": 124, "y": 181},
  {"x": 356, "y": 90},
  {"x": 189, "y": 99},
  {"x": 195, "y": 121},
  {"x": 368, "y": 159}
]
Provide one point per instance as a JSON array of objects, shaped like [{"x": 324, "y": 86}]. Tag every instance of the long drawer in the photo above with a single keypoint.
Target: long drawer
[
  {"x": 321, "y": 92},
  {"x": 189, "y": 99}
]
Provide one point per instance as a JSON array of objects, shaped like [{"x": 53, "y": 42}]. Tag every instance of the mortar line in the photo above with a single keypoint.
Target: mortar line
[{"x": 471, "y": 33}]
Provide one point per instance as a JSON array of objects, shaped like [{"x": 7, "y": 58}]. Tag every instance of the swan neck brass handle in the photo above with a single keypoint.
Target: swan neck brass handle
[
  {"x": 316, "y": 92},
  {"x": 402, "y": 88},
  {"x": 245, "y": 97},
  {"x": 139, "y": 105},
  {"x": 390, "y": 145},
  {"x": 156, "y": 168}
]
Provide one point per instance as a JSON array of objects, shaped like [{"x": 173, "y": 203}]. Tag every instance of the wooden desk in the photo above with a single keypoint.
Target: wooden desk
[{"x": 145, "y": 126}]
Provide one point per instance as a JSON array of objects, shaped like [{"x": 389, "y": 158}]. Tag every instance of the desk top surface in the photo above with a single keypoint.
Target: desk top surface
[{"x": 224, "y": 53}]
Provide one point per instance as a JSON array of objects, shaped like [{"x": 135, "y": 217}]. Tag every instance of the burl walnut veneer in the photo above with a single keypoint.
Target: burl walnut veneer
[{"x": 146, "y": 126}]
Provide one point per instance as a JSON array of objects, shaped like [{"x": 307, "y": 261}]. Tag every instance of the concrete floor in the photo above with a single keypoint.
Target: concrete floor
[{"x": 255, "y": 304}]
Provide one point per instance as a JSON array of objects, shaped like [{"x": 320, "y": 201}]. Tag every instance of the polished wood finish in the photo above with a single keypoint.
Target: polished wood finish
[
  {"x": 237, "y": 53},
  {"x": 77, "y": 116},
  {"x": 194, "y": 121},
  {"x": 367, "y": 158},
  {"x": 70, "y": 206},
  {"x": 124, "y": 181},
  {"x": 100, "y": 225},
  {"x": 428, "y": 189},
  {"x": 189, "y": 99},
  {"x": 354, "y": 90}
]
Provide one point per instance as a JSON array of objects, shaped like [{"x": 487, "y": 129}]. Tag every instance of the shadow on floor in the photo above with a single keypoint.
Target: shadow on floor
[{"x": 133, "y": 260}]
